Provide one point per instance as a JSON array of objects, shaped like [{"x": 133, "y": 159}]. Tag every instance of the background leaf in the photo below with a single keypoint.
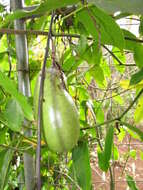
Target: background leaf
[
  {"x": 10, "y": 87},
  {"x": 131, "y": 183},
  {"x": 81, "y": 164},
  {"x": 137, "y": 77},
  {"x": 105, "y": 155},
  {"x": 13, "y": 115},
  {"x": 5, "y": 159}
]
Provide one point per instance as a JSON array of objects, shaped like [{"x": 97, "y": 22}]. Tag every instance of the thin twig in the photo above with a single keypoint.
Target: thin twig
[{"x": 38, "y": 167}]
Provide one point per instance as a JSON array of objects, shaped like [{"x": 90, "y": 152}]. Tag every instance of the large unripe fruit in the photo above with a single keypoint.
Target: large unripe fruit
[{"x": 60, "y": 118}]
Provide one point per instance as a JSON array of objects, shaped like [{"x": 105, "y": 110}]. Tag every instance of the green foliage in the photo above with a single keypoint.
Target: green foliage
[
  {"x": 138, "y": 116},
  {"x": 13, "y": 115},
  {"x": 10, "y": 87},
  {"x": 131, "y": 183},
  {"x": 5, "y": 159},
  {"x": 81, "y": 32},
  {"x": 112, "y": 6},
  {"x": 137, "y": 77},
  {"x": 101, "y": 26},
  {"x": 81, "y": 165},
  {"x": 105, "y": 155}
]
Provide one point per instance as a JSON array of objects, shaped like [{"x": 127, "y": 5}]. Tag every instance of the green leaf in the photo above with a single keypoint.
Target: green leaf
[
  {"x": 134, "y": 129},
  {"x": 112, "y": 6},
  {"x": 98, "y": 74},
  {"x": 13, "y": 115},
  {"x": 131, "y": 183},
  {"x": 5, "y": 159},
  {"x": 82, "y": 45},
  {"x": 137, "y": 77},
  {"x": 98, "y": 23},
  {"x": 108, "y": 144},
  {"x": 44, "y": 7},
  {"x": 130, "y": 44},
  {"x": 138, "y": 114},
  {"x": 81, "y": 164},
  {"x": 105, "y": 155},
  {"x": 138, "y": 54},
  {"x": 10, "y": 87}
]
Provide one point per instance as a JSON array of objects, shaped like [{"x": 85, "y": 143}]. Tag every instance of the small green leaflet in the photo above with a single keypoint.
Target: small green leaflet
[
  {"x": 5, "y": 159},
  {"x": 137, "y": 77},
  {"x": 10, "y": 87},
  {"x": 81, "y": 165},
  {"x": 99, "y": 24},
  {"x": 13, "y": 115},
  {"x": 105, "y": 155},
  {"x": 131, "y": 183},
  {"x": 138, "y": 114}
]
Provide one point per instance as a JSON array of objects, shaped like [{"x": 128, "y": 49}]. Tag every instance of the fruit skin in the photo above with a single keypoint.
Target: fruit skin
[{"x": 60, "y": 119}]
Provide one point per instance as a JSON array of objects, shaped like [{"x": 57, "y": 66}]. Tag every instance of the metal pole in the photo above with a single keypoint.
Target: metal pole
[{"x": 24, "y": 87}]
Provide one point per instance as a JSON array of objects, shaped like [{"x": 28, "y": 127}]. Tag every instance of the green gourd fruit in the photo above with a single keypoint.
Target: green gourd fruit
[{"x": 60, "y": 118}]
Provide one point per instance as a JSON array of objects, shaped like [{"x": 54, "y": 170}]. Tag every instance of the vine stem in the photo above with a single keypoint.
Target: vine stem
[{"x": 40, "y": 101}]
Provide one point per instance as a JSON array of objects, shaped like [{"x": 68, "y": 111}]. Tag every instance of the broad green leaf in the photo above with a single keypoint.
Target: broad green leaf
[
  {"x": 105, "y": 155},
  {"x": 98, "y": 75},
  {"x": 82, "y": 45},
  {"x": 134, "y": 129},
  {"x": 68, "y": 64},
  {"x": 99, "y": 24},
  {"x": 44, "y": 7},
  {"x": 108, "y": 144},
  {"x": 5, "y": 159},
  {"x": 138, "y": 114},
  {"x": 10, "y": 87},
  {"x": 112, "y": 6},
  {"x": 131, "y": 183},
  {"x": 13, "y": 115},
  {"x": 130, "y": 44},
  {"x": 137, "y": 77},
  {"x": 81, "y": 165},
  {"x": 138, "y": 53}
]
